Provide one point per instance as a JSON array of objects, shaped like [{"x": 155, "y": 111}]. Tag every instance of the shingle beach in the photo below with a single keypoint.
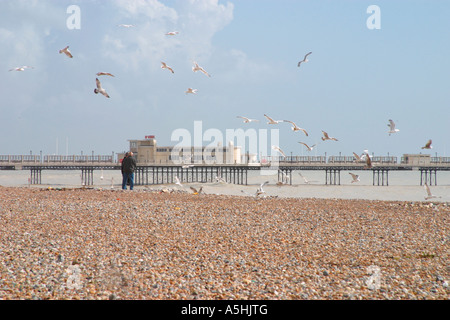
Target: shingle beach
[{"x": 104, "y": 244}]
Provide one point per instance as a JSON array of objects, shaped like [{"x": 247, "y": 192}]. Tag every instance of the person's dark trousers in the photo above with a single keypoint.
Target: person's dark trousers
[{"x": 125, "y": 178}]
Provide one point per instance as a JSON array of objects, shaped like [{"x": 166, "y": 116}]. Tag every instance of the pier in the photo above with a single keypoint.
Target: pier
[{"x": 154, "y": 174}]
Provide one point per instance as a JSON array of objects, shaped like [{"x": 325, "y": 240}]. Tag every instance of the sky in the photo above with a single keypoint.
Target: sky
[{"x": 367, "y": 66}]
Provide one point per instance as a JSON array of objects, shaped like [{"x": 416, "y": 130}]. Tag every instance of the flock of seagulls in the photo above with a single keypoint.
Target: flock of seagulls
[
  {"x": 294, "y": 127},
  {"x": 196, "y": 67},
  {"x": 364, "y": 157},
  {"x": 99, "y": 89}
]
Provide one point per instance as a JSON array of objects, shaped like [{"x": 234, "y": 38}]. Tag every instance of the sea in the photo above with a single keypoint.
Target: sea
[{"x": 402, "y": 185}]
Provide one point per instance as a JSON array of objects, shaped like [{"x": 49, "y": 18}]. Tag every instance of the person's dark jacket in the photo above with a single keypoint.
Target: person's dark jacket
[{"x": 128, "y": 165}]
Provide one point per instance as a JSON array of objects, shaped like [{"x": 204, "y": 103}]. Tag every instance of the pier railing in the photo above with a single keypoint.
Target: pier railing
[
  {"x": 54, "y": 159},
  {"x": 78, "y": 159},
  {"x": 20, "y": 159},
  {"x": 95, "y": 159}
]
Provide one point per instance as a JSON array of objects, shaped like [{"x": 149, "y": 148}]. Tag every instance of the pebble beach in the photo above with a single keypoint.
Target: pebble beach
[{"x": 149, "y": 244}]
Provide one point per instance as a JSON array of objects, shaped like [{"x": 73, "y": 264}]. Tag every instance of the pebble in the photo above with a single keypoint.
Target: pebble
[{"x": 95, "y": 244}]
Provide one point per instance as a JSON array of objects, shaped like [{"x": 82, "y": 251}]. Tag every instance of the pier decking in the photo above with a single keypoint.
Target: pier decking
[{"x": 152, "y": 174}]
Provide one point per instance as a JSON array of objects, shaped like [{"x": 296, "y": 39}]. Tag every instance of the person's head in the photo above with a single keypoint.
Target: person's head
[
  {"x": 127, "y": 154},
  {"x": 130, "y": 154}
]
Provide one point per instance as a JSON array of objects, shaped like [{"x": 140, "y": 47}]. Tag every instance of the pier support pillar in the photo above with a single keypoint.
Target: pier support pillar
[
  {"x": 87, "y": 176},
  {"x": 384, "y": 179},
  {"x": 35, "y": 177},
  {"x": 285, "y": 176},
  {"x": 333, "y": 176},
  {"x": 428, "y": 176}
]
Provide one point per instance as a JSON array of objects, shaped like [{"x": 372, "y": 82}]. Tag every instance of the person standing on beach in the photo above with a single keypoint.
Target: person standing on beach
[{"x": 128, "y": 168}]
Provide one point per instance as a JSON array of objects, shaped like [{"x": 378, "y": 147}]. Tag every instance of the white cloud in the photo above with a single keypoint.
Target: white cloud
[{"x": 146, "y": 44}]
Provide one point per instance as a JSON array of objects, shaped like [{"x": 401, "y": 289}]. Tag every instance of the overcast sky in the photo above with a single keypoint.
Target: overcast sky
[{"x": 365, "y": 68}]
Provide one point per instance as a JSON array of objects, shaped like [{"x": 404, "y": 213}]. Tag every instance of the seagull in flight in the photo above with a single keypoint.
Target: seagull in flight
[
  {"x": 177, "y": 181},
  {"x": 391, "y": 126},
  {"x": 304, "y": 59},
  {"x": 429, "y": 194},
  {"x": 247, "y": 120},
  {"x": 99, "y": 89},
  {"x": 355, "y": 177},
  {"x": 271, "y": 121},
  {"x": 308, "y": 147},
  {"x": 66, "y": 51},
  {"x": 368, "y": 161},
  {"x": 104, "y": 74},
  {"x": 260, "y": 190},
  {"x": 190, "y": 90},
  {"x": 172, "y": 33},
  {"x": 186, "y": 166},
  {"x": 279, "y": 150},
  {"x": 358, "y": 158},
  {"x": 306, "y": 180},
  {"x": 326, "y": 137},
  {"x": 196, "y": 68},
  {"x": 195, "y": 191},
  {"x": 165, "y": 66},
  {"x": 22, "y": 68},
  {"x": 295, "y": 127},
  {"x": 220, "y": 179},
  {"x": 126, "y": 25},
  {"x": 428, "y": 145}
]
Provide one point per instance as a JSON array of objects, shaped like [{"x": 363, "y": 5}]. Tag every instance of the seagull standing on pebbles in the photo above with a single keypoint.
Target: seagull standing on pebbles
[
  {"x": 66, "y": 51},
  {"x": 326, "y": 137},
  {"x": 391, "y": 126},
  {"x": 165, "y": 66},
  {"x": 196, "y": 68},
  {"x": 304, "y": 59},
  {"x": 428, "y": 145},
  {"x": 99, "y": 89},
  {"x": 247, "y": 120}
]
